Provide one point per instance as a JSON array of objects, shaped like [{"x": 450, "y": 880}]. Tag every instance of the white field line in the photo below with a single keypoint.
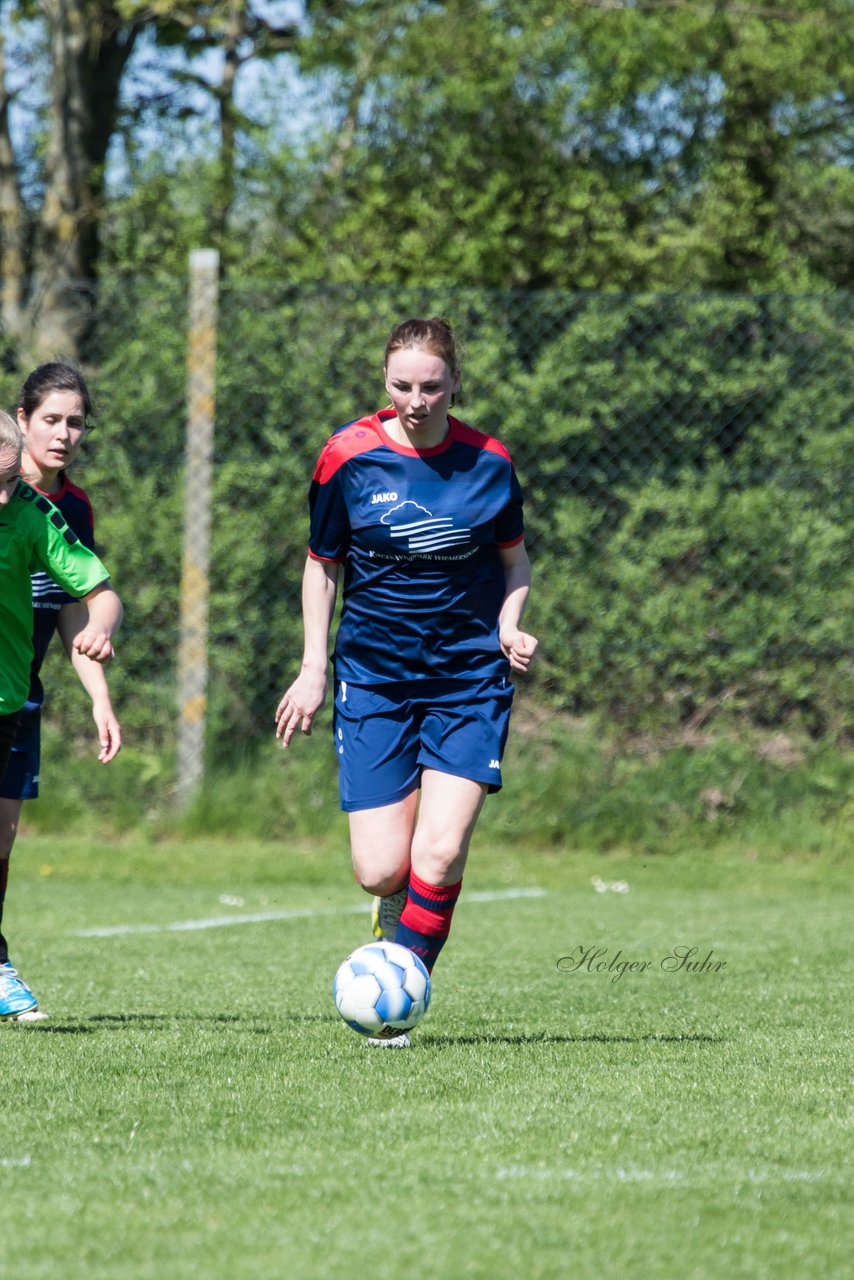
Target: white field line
[
  {"x": 265, "y": 917},
  {"x": 758, "y": 1177}
]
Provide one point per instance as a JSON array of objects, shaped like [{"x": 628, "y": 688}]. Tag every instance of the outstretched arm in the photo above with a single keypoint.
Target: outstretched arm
[
  {"x": 305, "y": 697},
  {"x": 73, "y": 619},
  {"x": 516, "y": 645}
]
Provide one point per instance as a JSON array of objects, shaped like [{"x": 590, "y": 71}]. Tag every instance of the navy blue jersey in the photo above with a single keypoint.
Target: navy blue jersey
[
  {"x": 48, "y": 597},
  {"x": 419, "y": 532}
]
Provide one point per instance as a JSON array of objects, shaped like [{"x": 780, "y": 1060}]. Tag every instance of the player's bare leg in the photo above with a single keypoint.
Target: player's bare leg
[
  {"x": 381, "y": 845},
  {"x": 17, "y": 1001},
  {"x": 447, "y": 815},
  {"x": 10, "y": 814}
]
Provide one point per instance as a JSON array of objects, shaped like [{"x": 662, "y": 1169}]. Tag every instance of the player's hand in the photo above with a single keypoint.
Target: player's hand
[
  {"x": 109, "y": 732},
  {"x": 300, "y": 705},
  {"x": 94, "y": 644},
  {"x": 518, "y": 648}
]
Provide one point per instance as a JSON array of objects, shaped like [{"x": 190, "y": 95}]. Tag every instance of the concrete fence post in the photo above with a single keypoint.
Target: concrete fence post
[{"x": 198, "y": 485}]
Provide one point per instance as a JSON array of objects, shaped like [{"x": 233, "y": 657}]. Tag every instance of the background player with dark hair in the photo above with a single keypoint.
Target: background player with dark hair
[
  {"x": 425, "y": 514},
  {"x": 53, "y": 408}
]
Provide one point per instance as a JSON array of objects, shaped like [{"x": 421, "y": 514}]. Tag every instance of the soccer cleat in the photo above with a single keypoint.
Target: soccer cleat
[
  {"x": 16, "y": 998},
  {"x": 386, "y": 913},
  {"x": 400, "y": 1041}
]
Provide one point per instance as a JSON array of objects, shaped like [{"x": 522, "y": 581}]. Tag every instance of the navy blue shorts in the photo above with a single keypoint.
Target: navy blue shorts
[
  {"x": 21, "y": 778},
  {"x": 8, "y": 730},
  {"x": 386, "y": 734}
]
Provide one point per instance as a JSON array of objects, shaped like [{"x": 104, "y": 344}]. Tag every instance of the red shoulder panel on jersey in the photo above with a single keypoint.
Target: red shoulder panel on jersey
[
  {"x": 468, "y": 435},
  {"x": 357, "y": 437},
  {"x": 83, "y": 496},
  {"x": 70, "y": 490}
]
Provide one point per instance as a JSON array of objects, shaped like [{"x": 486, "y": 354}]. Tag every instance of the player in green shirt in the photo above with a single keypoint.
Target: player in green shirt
[{"x": 33, "y": 536}]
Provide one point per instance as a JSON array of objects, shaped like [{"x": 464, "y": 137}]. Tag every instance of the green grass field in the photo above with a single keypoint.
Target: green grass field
[{"x": 194, "y": 1107}]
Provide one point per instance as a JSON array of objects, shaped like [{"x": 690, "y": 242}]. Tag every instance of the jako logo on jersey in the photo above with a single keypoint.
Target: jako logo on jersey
[
  {"x": 495, "y": 764},
  {"x": 384, "y": 497}
]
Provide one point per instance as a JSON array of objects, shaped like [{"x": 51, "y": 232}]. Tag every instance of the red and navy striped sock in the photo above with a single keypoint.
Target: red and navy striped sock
[{"x": 426, "y": 920}]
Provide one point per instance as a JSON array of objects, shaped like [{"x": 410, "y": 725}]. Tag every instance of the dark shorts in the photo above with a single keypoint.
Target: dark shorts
[
  {"x": 8, "y": 732},
  {"x": 20, "y": 780},
  {"x": 385, "y": 735}
]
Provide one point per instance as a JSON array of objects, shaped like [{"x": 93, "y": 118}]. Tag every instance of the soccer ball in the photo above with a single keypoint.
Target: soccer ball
[{"x": 382, "y": 989}]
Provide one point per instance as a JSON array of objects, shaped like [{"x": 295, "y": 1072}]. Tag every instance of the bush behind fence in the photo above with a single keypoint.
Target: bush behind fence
[{"x": 687, "y": 463}]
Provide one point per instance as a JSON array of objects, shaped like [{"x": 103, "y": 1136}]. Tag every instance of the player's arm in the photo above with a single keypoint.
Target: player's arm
[
  {"x": 305, "y": 697},
  {"x": 517, "y": 646},
  {"x": 73, "y": 618},
  {"x": 103, "y": 615}
]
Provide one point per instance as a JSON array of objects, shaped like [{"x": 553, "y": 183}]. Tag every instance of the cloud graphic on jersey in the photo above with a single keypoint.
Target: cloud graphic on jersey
[
  {"x": 430, "y": 533},
  {"x": 386, "y": 517}
]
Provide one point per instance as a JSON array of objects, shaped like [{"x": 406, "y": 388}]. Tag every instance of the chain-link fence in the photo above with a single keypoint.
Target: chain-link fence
[{"x": 687, "y": 463}]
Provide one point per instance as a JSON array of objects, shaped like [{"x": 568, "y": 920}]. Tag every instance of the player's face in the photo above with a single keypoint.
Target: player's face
[
  {"x": 421, "y": 386},
  {"x": 53, "y": 434},
  {"x": 10, "y": 473}
]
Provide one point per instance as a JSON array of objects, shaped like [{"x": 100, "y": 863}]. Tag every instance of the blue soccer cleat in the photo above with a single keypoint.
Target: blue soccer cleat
[{"x": 16, "y": 998}]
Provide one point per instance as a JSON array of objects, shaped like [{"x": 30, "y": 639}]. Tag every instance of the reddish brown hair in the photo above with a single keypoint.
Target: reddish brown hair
[{"x": 434, "y": 335}]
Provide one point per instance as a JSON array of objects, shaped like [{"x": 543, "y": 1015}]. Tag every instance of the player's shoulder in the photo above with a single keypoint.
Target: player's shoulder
[
  {"x": 75, "y": 505},
  {"x": 72, "y": 494},
  {"x": 354, "y": 438},
  {"x": 466, "y": 435},
  {"x": 38, "y": 508},
  {"x": 27, "y": 499}
]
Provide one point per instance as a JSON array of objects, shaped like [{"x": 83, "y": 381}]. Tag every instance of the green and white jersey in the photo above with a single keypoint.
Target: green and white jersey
[{"x": 33, "y": 536}]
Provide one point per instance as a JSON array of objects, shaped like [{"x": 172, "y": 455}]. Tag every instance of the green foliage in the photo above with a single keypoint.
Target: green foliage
[
  {"x": 687, "y": 463},
  {"x": 581, "y": 786},
  {"x": 516, "y": 144},
  {"x": 679, "y": 482},
  {"x": 568, "y": 786},
  {"x": 556, "y": 179},
  {"x": 578, "y": 146},
  {"x": 491, "y": 143}
]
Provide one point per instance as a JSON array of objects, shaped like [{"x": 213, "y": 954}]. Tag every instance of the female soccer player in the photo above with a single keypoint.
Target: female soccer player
[
  {"x": 425, "y": 514},
  {"x": 53, "y": 408}
]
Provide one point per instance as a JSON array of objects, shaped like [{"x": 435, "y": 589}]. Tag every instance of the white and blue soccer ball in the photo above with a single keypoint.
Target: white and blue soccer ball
[{"x": 382, "y": 989}]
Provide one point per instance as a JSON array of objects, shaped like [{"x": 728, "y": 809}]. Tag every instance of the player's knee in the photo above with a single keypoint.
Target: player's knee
[
  {"x": 378, "y": 882},
  {"x": 438, "y": 859},
  {"x": 381, "y": 887}
]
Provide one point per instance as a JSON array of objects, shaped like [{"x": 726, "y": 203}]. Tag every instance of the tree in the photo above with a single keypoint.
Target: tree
[
  {"x": 595, "y": 144},
  {"x": 50, "y": 231},
  {"x": 49, "y": 250},
  {"x": 241, "y": 33},
  {"x": 784, "y": 137}
]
